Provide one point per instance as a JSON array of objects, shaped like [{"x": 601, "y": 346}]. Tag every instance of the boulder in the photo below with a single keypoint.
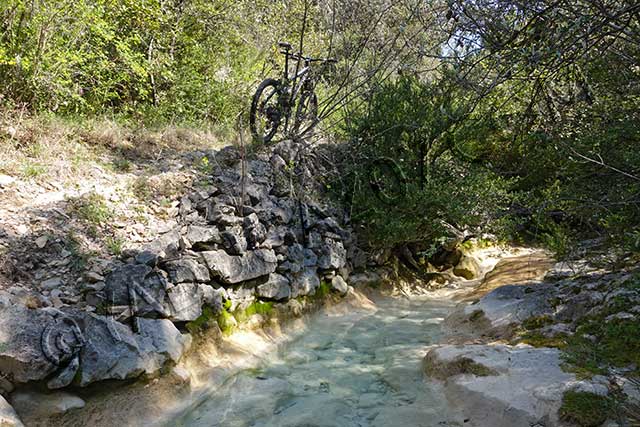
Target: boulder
[
  {"x": 185, "y": 300},
  {"x": 274, "y": 238},
  {"x": 296, "y": 254},
  {"x": 501, "y": 385},
  {"x": 139, "y": 288},
  {"x": 198, "y": 235},
  {"x": 310, "y": 258},
  {"x": 276, "y": 211},
  {"x": 42, "y": 406},
  {"x": 212, "y": 297},
  {"x": 332, "y": 255},
  {"x": 22, "y": 358},
  {"x": 8, "y": 416},
  {"x": 468, "y": 268},
  {"x": 186, "y": 270},
  {"x": 276, "y": 287},
  {"x": 165, "y": 246},
  {"x": 241, "y": 296},
  {"x": 234, "y": 241},
  {"x": 499, "y": 313},
  {"x": 339, "y": 285},
  {"x": 255, "y": 235},
  {"x": 233, "y": 269},
  {"x": 113, "y": 351},
  {"x": 304, "y": 283},
  {"x": 223, "y": 215}
]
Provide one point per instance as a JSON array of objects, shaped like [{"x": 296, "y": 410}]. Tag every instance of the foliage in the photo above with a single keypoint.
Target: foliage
[
  {"x": 610, "y": 339},
  {"x": 585, "y": 409},
  {"x": 184, "y": 60},
  {"x": 92, "y": 208},
  {"x": 257, "y": 307},
  {"x": 202, "y": 322},
  {"x": 415, "y": 123}
]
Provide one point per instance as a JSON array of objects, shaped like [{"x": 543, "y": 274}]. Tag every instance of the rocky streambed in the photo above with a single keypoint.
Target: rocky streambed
[{"x": 213, "y": 324}]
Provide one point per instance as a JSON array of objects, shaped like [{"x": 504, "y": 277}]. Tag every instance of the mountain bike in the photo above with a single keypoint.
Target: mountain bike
[{"x": 274, "y": 100}]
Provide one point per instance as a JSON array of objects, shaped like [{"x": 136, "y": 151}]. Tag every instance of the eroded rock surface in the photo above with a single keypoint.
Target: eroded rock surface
[
  {"x": 8, "y": 416},
  {"x": 501, "y": 385},
  {"x": 232, "y": 241}
]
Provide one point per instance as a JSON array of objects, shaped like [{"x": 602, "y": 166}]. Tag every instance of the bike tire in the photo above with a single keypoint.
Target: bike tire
[
  {"x": 307, "y": 106},
  {"x": 387, "y": 180},
  {"x": 273, "y": 114}
]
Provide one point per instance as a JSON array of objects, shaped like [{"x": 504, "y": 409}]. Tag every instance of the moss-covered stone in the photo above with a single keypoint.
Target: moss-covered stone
[
  {"x": 202, "y": 322},
  {"x": 226, "y": 322},
  {"x": 538, "y": 340},
  {"x": 585, "y": 409},
  {"x": 263, "y": 308},
  {"x": 323, "y": 290},
  {"x": 461, "y": 365},
  {"x": 537, "y": 322}
]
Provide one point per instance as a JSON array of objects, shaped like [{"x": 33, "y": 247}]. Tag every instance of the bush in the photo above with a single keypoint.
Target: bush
[
  {"x": 585, "y": 409},
  {"x": 413, "y": 123}
]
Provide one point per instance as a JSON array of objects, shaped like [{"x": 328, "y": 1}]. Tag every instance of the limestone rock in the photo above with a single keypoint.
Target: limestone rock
[
  {"x": 186, "y": 270},
  {"x": 501, "y": 385},
  {"x": 21, "y": 353},
  {"x": 501, "y": 310},
  {"x": 241, "y": 296},
  {"x": 53, "y": 283},
  {"x": 197, "y": 234},
  {"x": 167, "y": 245},
  {"x": 234, "y": 241},
  {"x": 213, "y": 297},
  {"x": 467, "y": 267},
  {"x": 113, "y": 351},
  {"x": 185, "y": 301},
  {"x": 239, "y": 268},
  {"x": 8, "y": 416},
  {"x": 332, "y": 255},
  {"x": 304, "y": 283},
  {"x": 42, "y": 406},
  {"x": 277, "y": 288},
  {"x": 339, "y": 285},
  {"x": 147, "y": 285}
]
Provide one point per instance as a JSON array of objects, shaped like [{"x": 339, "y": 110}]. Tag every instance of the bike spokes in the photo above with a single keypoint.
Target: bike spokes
[
  {"x": 266, "y": 111},
  {"x": 269, "y": 112},
  {"x": 306, "y": 114}
]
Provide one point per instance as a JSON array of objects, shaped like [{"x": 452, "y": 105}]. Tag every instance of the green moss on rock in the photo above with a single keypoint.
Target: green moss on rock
[
  {"x": 585, "y": 409},
  {"x": 537, "y": 322},
  {"x": 202, "y": 322}
]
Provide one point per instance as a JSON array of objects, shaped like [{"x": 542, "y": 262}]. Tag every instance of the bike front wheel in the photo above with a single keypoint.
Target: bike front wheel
[
  {"x": 306, "y": 113},
  {"x": 266, "y": 111}
]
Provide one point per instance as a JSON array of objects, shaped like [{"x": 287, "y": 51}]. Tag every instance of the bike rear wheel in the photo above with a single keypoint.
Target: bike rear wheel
[
  {"x": 266, "y": 111},
  {"x": 306, "y": 113}
]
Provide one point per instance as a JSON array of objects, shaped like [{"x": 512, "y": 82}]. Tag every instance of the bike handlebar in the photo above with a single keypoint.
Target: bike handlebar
[{"x": 297, "y": 55}]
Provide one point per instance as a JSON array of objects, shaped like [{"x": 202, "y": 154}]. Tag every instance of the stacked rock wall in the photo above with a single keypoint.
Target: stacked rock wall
[{"x": 256, "y": 231}]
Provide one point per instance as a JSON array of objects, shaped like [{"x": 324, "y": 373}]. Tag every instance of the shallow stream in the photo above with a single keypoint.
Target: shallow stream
[{"x": 362, "y": 368}]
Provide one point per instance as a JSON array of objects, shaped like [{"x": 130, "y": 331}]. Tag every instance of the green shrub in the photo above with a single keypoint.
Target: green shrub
[{"x": 585, "y": 409}]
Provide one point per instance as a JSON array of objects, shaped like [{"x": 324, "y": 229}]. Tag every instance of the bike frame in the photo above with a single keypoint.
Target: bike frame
[{"x": 302, "y": 76}]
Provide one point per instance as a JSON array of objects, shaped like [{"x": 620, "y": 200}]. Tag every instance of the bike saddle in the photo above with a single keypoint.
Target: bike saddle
[{"x": 284, "y": 45}]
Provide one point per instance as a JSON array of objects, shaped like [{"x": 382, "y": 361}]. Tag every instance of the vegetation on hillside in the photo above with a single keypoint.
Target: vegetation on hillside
[{"x": 516, "y": 118}]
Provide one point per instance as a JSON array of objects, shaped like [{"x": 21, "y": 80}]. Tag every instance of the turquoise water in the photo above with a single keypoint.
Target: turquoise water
[{"x": 358, "y": 369}]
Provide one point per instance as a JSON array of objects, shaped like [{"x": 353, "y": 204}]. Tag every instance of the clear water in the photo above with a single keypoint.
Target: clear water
[{"x": 358, "y": 369}]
